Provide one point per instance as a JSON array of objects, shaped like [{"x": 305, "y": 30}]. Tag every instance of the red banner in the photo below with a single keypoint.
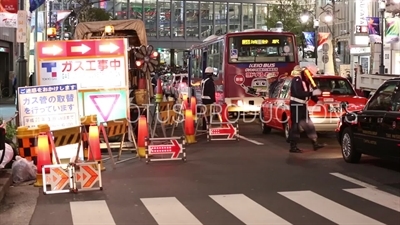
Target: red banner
[
  {"x": 322, "y": 38},
  {"x": 10, "y": 6}
]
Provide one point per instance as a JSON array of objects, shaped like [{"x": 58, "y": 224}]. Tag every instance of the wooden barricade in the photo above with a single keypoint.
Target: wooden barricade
[
  {"x": 72, "y": 176},
  {"x": 118, "y": 128}
]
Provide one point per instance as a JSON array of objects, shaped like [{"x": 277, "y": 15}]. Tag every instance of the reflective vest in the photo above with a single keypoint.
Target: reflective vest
[{"x": 203, "y": 82}]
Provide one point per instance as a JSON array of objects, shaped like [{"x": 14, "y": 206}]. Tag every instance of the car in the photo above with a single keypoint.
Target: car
[
  {"x": 375, "y": 129},
  {"x": 275, "y": 110}
]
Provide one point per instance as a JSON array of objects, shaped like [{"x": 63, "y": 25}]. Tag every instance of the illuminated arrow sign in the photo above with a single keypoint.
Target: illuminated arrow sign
[
  {"x": 230, "y": 130},
  {"x": 82, "y": 49},
  {"x": 57, "y": 178},
  {"x": 175, "y": 148},
  {"x": 51, "y": 50},
  {"x": 108, "y": 48},
  {"x": 87, "y": 176}
]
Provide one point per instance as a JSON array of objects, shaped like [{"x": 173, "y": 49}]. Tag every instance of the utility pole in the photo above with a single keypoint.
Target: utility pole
[{"x": 21, "y": 61}]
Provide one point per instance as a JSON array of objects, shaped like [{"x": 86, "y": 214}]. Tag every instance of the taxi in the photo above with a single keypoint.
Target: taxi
[
  {"x": 374, "y": 130},
  {"x": 275, "y": 110}
]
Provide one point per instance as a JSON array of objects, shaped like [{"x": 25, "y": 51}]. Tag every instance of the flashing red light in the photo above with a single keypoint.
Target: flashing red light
[
  {"x": 138, "y": 63},
  {"x": 154, "y": 54}
]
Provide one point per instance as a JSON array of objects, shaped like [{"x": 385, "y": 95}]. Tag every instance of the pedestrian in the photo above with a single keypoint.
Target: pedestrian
[
  {"x": 301, "y": 93},
  {"x": 207, "y": 90}
]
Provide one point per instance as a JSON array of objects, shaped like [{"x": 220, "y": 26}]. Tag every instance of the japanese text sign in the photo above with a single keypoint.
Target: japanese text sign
[
  {"x": 55, "y": 105},
  {"x": 91, "y": 64}
]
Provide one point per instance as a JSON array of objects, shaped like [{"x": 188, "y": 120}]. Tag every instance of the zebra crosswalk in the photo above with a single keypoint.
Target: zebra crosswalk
[{"x": 170, "y": 210}]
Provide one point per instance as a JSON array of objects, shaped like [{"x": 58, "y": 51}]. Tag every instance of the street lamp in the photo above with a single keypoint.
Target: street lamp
[
  {"x": 382, "y": 9},
  {"x": 305, "y": 17}
]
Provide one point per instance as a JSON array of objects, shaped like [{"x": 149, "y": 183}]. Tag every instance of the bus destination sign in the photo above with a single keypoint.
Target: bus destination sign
[{"x": 260, "y": 42}]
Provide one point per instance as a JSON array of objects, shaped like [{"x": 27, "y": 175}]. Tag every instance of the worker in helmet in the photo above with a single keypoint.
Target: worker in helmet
[
  {"x": 302, "y": 90},
  {"x": 207, "y": 90}
]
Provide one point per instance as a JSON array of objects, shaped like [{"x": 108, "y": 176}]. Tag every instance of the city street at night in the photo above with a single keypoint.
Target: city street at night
[{"x": 251, "y": 181}]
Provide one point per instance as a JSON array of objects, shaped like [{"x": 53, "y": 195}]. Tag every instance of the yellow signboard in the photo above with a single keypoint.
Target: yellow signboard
[{"x": 260, "y": 41}]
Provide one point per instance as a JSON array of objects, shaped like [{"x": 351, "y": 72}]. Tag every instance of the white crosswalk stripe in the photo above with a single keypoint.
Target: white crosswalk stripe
[
  {"x": 327, "y": 208},
  {"x": 173, "y": 211},
  {"x": 247, "y": 210}
]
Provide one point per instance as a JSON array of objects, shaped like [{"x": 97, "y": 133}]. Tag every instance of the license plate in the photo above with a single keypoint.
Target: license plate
[{"x": 334, "y": 108}]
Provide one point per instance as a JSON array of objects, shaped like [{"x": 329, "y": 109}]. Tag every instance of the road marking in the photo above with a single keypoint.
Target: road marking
[
  {"x": 250, "y": 140},
  {"x": 352, "y": 180},
  {"x": 327, "y": 208},
  {"x": 377, "y": 196},
  {"x": 168, "y": 211},
  {"x": 91, "y": 212},
  {"x": 247, "y": 210},
  {"x": 200, "y": 134}
]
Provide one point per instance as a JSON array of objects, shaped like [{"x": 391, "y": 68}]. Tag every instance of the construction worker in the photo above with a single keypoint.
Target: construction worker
[
  {"x": 301, "y": 93},
  {"x": 207, "y": 90}
]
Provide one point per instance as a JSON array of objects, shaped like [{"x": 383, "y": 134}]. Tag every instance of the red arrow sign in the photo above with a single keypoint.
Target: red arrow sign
[
  {"x": 229, "y": 130},
  {"x": 81, "y": 48},
  {"x": 175, "y": 149}
]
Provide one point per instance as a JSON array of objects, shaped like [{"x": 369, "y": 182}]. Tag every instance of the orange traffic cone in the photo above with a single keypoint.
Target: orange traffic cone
[
  {"x": 189, "y": 127},
  {"x": 193, "y": 105},
  {"x": 43, "y": 158},
  {"x": 142, "y": 134},
  {"x": 159, "y": 93}
]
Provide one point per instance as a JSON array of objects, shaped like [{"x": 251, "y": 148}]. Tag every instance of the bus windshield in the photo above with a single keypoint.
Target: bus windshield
[{"x": 261, "y": 48}]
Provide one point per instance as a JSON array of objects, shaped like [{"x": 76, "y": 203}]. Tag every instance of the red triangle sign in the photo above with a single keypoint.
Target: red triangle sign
[{"x": 105, "y": 110}]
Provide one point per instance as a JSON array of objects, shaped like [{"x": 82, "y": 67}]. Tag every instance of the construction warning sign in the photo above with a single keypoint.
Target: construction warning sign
[{"x": 98, "y": 67}]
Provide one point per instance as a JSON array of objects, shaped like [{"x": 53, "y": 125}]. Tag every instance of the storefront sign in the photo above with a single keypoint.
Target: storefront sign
[{"x": 362, "y": 7}]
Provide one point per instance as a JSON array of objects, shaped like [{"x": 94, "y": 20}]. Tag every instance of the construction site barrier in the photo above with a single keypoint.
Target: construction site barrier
[
  {"x": 220, "y": 130},
  {"x": 74, "y": 176},
  {"x": 118, "y": 128},
  {"x": 165, "y": 149},
  {"x": 27, "y": 143}
]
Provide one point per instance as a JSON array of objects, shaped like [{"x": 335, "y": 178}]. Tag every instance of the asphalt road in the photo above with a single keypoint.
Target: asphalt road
[{"x": 236, "y": 182}]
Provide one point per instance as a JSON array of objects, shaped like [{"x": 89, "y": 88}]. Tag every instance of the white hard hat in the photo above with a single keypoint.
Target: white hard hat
[
  {"x": 209, "y": 70},
  {"x": 271, "y": 75}
]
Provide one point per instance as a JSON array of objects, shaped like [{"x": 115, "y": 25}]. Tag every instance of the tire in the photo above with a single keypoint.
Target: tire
[
  {"x": 265, "y": 129},
  {"x": 286, "y": 130},
  {"x": 349, "y": 152}
]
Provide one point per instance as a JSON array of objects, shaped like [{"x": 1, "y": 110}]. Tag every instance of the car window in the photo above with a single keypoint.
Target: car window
[
  {"x": 335, "y": 86},
  {"x": 277, "y": 88},
  {"x": 285, "y": 89},
  {"x": 396, "y": 99},
  {"x": 382, "y": 99}
]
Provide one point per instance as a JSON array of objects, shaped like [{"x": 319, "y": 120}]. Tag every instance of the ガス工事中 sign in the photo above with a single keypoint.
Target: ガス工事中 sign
[
  {"x": 55, "y": 105},
  {"x": 87, "y": 73}
]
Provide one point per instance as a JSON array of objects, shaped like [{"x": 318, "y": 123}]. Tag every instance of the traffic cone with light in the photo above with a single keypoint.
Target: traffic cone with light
[
  {"x": 43, "y": 158},
  {"x": 94, "y": 145},
  {"x": 143, "y": 132},
  {"x": 159, "y": 93},
  {"x": 189, "y": 127}
]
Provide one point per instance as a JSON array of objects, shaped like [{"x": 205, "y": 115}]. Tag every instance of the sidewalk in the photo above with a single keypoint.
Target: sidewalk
[{"x": 5, "y": 182}]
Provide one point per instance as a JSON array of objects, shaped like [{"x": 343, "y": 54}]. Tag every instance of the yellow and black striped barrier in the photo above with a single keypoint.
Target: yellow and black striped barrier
[
  {"x": 67, "y": 136},
  {"x": 118, "y": 128}
]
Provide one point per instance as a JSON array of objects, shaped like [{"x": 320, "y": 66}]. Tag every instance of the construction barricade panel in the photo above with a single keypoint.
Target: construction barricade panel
[
  {"x": 57, "y": 179},
  {"x": 165, "y": 149},
  {"x": 87, "y": 176}
]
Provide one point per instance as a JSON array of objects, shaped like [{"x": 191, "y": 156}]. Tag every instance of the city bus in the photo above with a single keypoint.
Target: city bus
[{"x": 243, "y": 60}]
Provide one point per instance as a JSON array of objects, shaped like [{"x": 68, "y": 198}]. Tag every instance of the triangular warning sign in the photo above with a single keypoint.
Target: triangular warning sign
[{"x": 105, "y": 104}]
